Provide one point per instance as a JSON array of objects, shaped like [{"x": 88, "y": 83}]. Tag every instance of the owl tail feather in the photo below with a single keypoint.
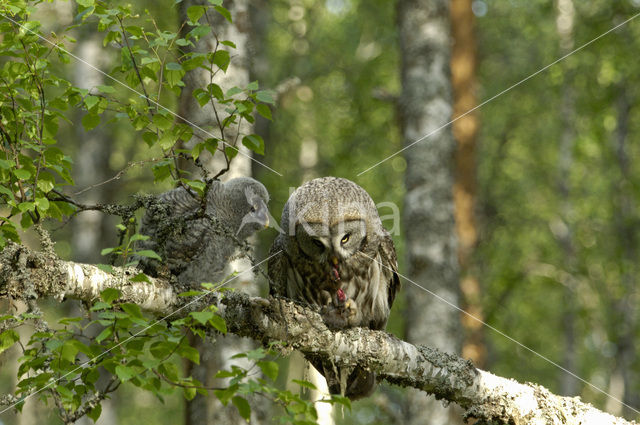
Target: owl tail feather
[{"x": 354, "y": 383}]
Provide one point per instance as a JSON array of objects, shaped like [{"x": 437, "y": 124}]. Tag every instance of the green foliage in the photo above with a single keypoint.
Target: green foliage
[
  {"x": 34, "y": 169},
  {"x": 296, "y": 409},
  {"x": 119, "y": 339}
]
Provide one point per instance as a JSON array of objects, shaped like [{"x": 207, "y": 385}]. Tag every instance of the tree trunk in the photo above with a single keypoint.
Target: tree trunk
[
  {"x": 624, "y": 307},
  {"x": 465, "y": 131},
  {"x": 90, "y": 229},
  {"x": 425, "y": 105}
]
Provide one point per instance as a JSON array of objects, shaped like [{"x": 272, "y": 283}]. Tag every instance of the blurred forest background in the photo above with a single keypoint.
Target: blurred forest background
[{"x": 546, "y": 184}]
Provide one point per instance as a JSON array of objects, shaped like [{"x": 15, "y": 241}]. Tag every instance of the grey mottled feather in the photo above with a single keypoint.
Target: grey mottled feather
[{"x": 197, "y": 237}]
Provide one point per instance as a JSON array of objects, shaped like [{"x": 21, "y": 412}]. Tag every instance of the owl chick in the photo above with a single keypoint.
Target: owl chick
[
  {"x": 335, "y": 254},
  {"x": 197, "y": 237}
]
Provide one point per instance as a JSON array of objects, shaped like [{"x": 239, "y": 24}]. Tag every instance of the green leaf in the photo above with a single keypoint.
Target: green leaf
[
  {"x": 189, "y": 353},
  {"x": 231, "y": 152},
  {"x": 254, "y": 142},
  {"x": 194, "y": 13},
  {"x": 107, "y": 89},
  {"x": 215, "y": 91},
  {"x": 221, "y": 58},
  {"x": 46, "y": 182},
  {"x": 189, "y": 393},
  {"x": 69, "y": 351},
  {"x": 190, "y": 293},
  {"x": 7, "y": 339},
  {"x": 95, "y": 413},
  {"x": 42, "y": 204},
  {"x": 197, "y": 185},
  {"x": 5, "y": 164},
  {"x": 269, "y": 368},
  {"x": 124, "y": 373},
  {"x": 173, "y": 66},
  {"x": 110, "y": 294},
  {"x": 90, "y": 121},
  {"x": 199, "y": 31},
  {"x": 132, "y": 309},
  {"x": 225, "y": 395},
  {"x": 140, "y": 277},
  {"x": 335, "y": 398},
  {"x": 265, "y": 96},
  {"x": 150, "y": 138},
  {"x": 194, "y": 61},
  {"x": 162, "y": 122},
  {"x": 253, "y": 85},
  {"x": 106, "y": 251},
  {"x": 134, "y": 30},
  {"x": 233, "y": 91},
  {"x": 202, "y": 316},
  {"x": 106, "y": 333},
  {"x": 26, "y": 206},
  {"x": 91, "y": 101},
  {"x": 149, "y": 254},
  {"x": 224, "y": 12},
  {"x": 167, "y": 140},
  {"x": 212, "y": 145},
  {"x": 264, "y": 110},
  {"x": 161, "y": 171},
  {"x": 225, "y": 374},
  {"x": 305, "y": 384},
  {"x": 65, "y": 393},
  {"x": 138, "y": 237},
  {"x": 21, "y": 173},
  {"x": 243, "y": 407},
  {"x": 197, "y": 150},
  {"x": 228, "y": 43},
  {"x": 105, "y": 267},
  {"x": 218, "y": 323}
]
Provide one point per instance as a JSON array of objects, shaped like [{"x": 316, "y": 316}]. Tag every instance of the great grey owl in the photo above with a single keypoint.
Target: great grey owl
[
  {"x": 335, "y": 254},
  {"x": 196, "y": 237}
]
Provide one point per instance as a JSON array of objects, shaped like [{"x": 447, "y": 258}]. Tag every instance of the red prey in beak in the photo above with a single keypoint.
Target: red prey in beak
[{"x": 339, "y": 297}]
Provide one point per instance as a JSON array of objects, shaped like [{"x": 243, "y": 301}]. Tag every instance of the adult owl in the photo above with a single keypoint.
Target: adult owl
[
  {"x": 195, "y": 236},
  {"x": 335, "y": 254}
]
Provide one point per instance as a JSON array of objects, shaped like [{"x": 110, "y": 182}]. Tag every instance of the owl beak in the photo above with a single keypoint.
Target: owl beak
[
  {"x": 262, "y": 214},
  {"x": 335, "y": 275}
]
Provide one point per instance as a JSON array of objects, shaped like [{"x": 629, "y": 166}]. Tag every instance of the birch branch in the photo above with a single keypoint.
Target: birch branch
[{"x": 484, "y": 396}]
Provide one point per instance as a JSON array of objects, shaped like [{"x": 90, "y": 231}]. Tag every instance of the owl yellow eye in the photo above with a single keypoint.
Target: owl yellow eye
[{"x": 345, "y": 239}]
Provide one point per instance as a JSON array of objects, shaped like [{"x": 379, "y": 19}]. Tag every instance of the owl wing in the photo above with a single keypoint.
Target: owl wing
[
  {"x": 390, "y": 260},
  {"x": 278, "y": 266},
  {"x": 173, "y": 235}
]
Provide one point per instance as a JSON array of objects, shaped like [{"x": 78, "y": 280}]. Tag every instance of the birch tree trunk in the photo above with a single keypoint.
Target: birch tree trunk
[
  {"x": 90, "y": 228},
  {"x": 424, "y": 105}
]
